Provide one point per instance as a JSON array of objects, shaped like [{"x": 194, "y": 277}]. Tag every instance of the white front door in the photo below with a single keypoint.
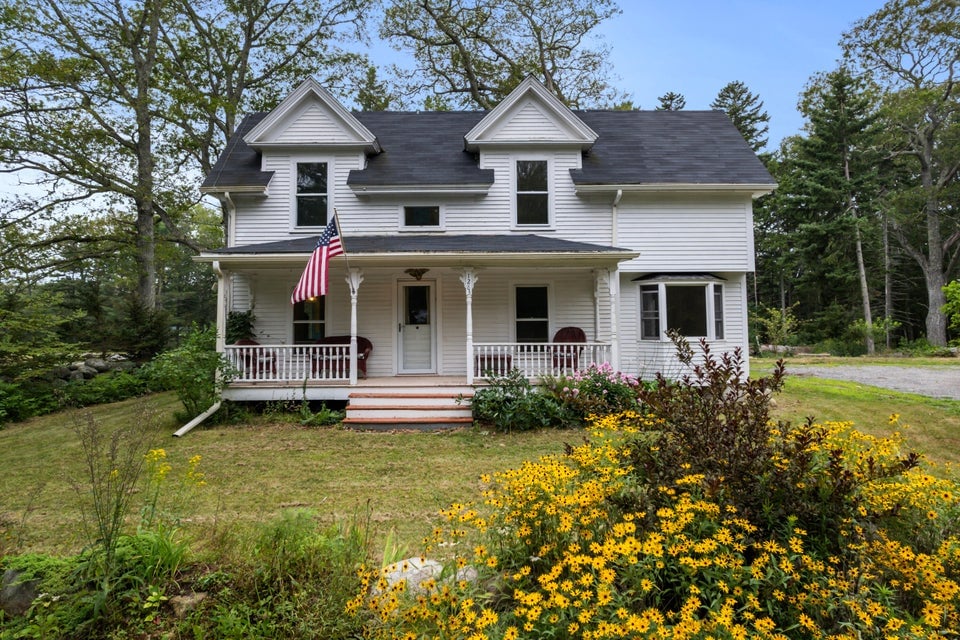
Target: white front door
[{"x": 417, "y": 327}]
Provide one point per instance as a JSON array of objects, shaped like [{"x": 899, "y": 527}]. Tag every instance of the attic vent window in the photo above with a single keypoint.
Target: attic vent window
[
  {"x": 417, "y": 216},
  {"x": 311, "y": 194}
]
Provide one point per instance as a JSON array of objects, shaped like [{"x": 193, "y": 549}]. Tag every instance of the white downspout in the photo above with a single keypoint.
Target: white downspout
[{"x": 614, "y": 214}]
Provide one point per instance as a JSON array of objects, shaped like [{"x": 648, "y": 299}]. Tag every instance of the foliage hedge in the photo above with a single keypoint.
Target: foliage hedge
[{"x": 697, "y": 517}]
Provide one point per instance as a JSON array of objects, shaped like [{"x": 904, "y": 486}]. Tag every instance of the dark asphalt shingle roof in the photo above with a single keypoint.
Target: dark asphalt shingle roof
[
  {"x": 633, "y": 148},
  {"x": 239, "y": 164},
  {"x": 402, "y": 243},
  {"x": 420, "y": 148},
  {"x": 664, "y": 147}
]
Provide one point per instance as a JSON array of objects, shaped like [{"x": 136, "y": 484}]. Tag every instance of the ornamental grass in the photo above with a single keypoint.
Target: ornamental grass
[{"x": 698, "y": 517}]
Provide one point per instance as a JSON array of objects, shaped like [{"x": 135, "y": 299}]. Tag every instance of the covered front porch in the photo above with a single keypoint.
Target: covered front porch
[{"x": 433, "y": 307}]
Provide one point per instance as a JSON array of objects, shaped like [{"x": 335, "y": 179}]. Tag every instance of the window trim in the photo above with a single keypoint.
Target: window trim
[
  {"x": 294, "y": 195},
  {"x": 715, "y": 324},
  {"x": 440, "y": 226},
  {"x": 513, "y": 308},
  {"x": 551, "y": 188}
]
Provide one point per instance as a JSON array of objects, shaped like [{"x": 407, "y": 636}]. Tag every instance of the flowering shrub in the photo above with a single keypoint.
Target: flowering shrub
[
  {"x": 597, "y": 390},
  {"x": 828, "y": 534}
]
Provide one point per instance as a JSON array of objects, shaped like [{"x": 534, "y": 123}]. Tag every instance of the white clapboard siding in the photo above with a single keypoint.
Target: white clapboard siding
[
  {"x": 313, "y": 123},
  {"x": 529, "y": 121},
  {"x": 695, "y": 234}
]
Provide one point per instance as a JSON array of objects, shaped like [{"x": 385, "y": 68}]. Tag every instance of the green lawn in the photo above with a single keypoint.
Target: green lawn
[{"x": 398, "y": 480}]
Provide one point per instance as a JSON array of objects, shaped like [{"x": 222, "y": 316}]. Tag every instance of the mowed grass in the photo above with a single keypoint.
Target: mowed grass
[
  {"x": 396, "y": 480},
  {"x": 931, "y": 425}
]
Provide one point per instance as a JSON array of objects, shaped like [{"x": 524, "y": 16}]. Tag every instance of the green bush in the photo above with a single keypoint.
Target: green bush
[
  {"x": 194, "y": 370},
  {"x": 511, "y": 403},
  {"x": 838, "y": 347},
  {"x": 108, "y": 387},
  {"x": 596, "y": 390},
  {"x": 25, "y": 399}
]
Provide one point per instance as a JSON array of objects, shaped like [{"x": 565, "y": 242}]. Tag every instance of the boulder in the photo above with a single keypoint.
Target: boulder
[
  {"x": 185, "y": 603},
  {"x": 16, "y": 596},
  {"x": 98, "y": 364},
  {"x": 418, "y": 570},
  {"x": 85, "y": 371}
]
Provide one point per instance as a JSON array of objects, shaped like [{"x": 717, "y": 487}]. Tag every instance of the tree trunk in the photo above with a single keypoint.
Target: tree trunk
[
  {"x": 887, "y": 283},
  {"x": 864, "y": 290}
]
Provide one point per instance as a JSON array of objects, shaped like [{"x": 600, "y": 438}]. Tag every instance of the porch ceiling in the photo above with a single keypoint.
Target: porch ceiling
[{"x": 428, "y": 250}]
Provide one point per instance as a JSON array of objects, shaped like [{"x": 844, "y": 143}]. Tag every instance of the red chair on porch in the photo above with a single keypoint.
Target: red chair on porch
[
  {"x": 338, "y": 365},
  {"x": 257, "y": 361},
  {"x": 566, "y": 358}
]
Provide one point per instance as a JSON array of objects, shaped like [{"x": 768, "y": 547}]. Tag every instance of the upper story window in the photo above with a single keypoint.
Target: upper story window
[
  {"x": 312, "y": 197},
  {"x": 421, "y": 216},
  {"x": 533, "y": 194},
  {"x": 694, "y": 310}
]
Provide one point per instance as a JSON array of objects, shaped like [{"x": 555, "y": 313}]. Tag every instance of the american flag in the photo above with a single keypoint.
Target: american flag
[{"x": 313, "y": 282}]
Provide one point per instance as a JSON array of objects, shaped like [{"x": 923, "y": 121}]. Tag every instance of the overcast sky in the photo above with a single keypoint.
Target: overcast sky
[{"x": 695, "y": 47}]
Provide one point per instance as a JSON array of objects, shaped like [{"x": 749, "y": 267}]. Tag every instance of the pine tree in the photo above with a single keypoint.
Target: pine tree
[{"x": 746, "y": 111}]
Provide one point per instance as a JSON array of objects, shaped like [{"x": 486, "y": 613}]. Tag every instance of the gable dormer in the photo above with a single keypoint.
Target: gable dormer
[
  {"x": 311, "y": 117},
  {"x": 530, "y": 116}
]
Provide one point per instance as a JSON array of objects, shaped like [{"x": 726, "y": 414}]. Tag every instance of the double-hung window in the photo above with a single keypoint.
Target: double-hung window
[
  {"x": 312, "y": 195},
  {"x": 532, "y": 323},
  {"x": 693, "y": 309},
  {"x": 533, "y": 192},
  {"x": 309, "y": 320}
]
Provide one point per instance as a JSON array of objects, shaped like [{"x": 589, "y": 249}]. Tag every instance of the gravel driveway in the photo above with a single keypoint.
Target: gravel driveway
[{"x": 935, "y": 381}]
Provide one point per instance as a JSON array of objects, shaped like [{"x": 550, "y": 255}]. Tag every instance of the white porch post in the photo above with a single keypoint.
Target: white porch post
[
  {"x": 353, "y": 279},
  {"x": 613, "y": 282},
  {"x": 469, "y": 278},
  {"x": 221, "y": 306}
]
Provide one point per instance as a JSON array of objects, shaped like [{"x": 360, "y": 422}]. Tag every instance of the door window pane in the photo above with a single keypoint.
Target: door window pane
[{"x": 418, "y": 305}]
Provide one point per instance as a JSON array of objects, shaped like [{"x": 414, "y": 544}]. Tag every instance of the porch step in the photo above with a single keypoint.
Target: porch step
[{"x": 404, "y": 408}]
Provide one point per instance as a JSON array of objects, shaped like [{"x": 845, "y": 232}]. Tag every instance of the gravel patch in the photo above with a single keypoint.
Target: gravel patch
[{"x": 936, "y": 381}]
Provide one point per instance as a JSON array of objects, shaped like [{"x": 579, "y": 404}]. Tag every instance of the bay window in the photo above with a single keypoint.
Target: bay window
[{"x": 692, "y": 308}]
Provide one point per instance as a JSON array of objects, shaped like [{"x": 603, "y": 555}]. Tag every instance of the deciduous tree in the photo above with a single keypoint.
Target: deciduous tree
[
  {"x": 472, "y": 53},
  {"x": 911, "y": 49}
]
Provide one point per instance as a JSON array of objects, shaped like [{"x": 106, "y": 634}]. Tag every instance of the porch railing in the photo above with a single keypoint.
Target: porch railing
[
  {"x": 289, "y": 363},
  {"x": 331, "y": 363},
  {"x": 536, "y": 360}
]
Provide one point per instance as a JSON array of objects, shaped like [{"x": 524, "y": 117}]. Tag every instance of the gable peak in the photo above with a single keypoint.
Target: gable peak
[
  {"x": 530, "y": 114},
  {"x": 310, "y": 97}
]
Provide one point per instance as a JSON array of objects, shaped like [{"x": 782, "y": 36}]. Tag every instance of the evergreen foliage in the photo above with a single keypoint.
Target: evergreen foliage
[{"x": 745, "y": 109}]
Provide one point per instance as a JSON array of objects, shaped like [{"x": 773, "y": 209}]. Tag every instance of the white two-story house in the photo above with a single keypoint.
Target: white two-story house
[{"x": 528, "y": 237}]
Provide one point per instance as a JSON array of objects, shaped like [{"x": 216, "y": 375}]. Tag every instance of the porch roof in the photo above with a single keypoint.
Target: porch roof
[{"x": 433, "y": 249}]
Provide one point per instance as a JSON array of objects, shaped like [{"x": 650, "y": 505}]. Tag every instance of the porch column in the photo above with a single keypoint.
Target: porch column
[
  {"x": 221, "y": 307},
  {"x": 469, "y": 278},
  {"x": 353, "y": 279}
]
